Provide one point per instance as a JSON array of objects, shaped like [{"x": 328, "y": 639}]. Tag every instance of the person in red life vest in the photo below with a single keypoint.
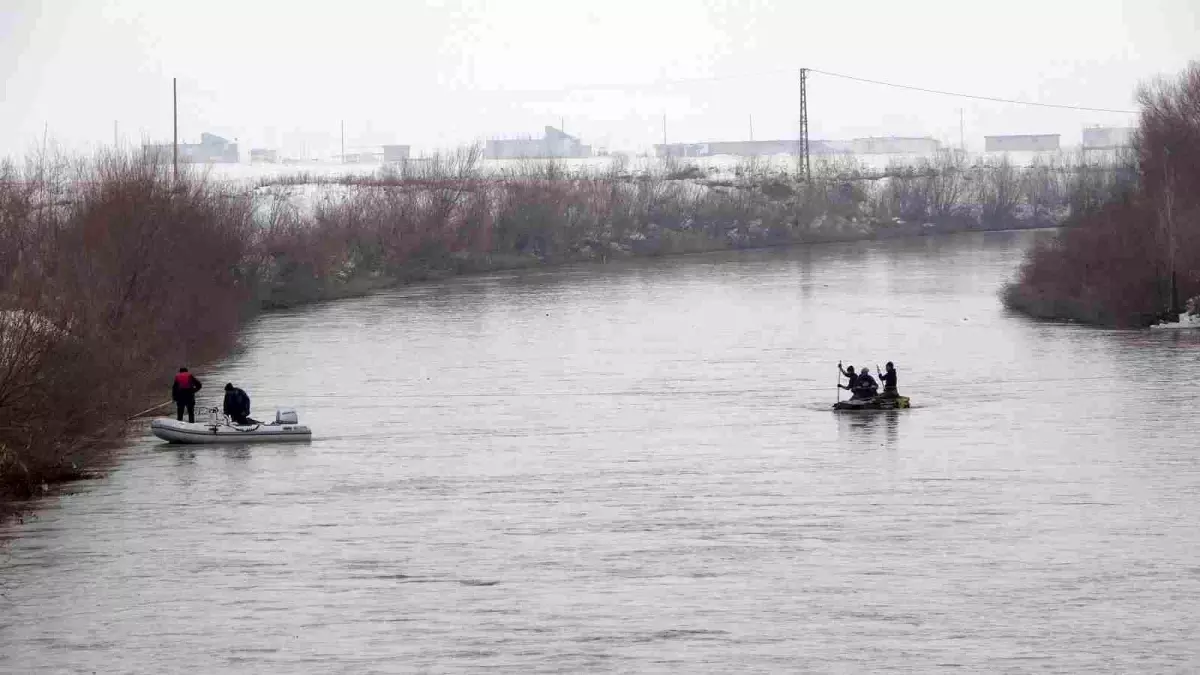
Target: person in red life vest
[{"x": 183, "y": 392}]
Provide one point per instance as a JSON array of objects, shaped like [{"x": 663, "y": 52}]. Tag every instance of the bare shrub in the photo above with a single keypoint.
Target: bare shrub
[
  {"x": 1101, "y": 272},
  {"x": 1133, "y": 258},
  {"x": 120, "y": 273},
  {"x": 1042, "y": 190},
  {"x": 945, "y": 183},
  {"x": 907, "y": 194},
  {"x": 999, "y": 192}
]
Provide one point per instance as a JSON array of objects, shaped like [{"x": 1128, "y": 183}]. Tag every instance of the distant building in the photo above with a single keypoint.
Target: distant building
[
  {"x": 396, "y": 153},
  {"x": 895, "y": 145},
  {"x": 1104, "y": 138},
  {"x": 664, "y": 150},
  {"x": 211, "y": 149},
  {"x": 831, "y": 147},
  {"x": 740, "y": 148},
  {"x": 753, "y": 148},
  {"x": 1021, "y": 143},
  {"x": 867, "y": 146},
  {"x": 362, "y": 157},
  {"x": 264, "y": 156},
  {"x": 555, "y": 143}
]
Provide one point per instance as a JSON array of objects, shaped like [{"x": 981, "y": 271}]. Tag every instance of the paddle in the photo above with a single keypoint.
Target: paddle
[
  {"x": 838, "y": 387},
  {"x": 148, "y": 410}
]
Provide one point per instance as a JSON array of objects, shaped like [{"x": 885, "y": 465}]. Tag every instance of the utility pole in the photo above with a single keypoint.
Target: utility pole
[
  {"x": 343, "y": 141},
  {"x": 664, "y": 132},
  {"x": 804, "y": 167},
  {"x": 175, "y": 124},
  {"x": 962, "y": 136},
  {"x": 115, "y": 142},
  {"x": 752, "y": 127}
]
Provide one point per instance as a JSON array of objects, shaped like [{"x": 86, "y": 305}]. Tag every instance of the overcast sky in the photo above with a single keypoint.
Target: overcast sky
[{"x": 441, "y": 72}]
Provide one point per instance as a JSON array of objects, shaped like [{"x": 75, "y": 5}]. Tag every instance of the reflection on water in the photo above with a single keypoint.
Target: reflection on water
[
  {"x": 878, "y": 427},
  {"x": 634, "y": 467}
]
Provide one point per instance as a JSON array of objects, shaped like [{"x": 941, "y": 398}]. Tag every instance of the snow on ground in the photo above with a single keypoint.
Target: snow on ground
[
  {"x": 307, "y": 193},
  {"x": 1185, "y": 321},
  {"x": 299, "y": 199},
  {"x": 723, "y": 166}
]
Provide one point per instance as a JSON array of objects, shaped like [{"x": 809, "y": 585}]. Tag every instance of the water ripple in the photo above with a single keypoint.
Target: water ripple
[{"x": 634, "y": 469}]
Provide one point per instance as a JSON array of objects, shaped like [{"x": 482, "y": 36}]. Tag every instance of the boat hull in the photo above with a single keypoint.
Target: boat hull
[
  {"x": 877, "y": 403},
  {"x": 174, "y": 431}
]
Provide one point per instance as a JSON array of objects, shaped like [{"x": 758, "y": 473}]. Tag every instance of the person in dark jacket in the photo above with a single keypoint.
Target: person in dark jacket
[
  {"x": 183, "y": 392},
  {"x": 848, "y": 373},
  {"x": 889, "y": 382},
  {"x": 866, "y": 386},
  {"x": 237, "y": 405}
]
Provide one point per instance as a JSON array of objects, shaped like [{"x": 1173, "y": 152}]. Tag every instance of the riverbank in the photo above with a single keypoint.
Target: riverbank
[
  {"x": 135, "y": 274},
  {"x": 333, "y": 235},
  {"x": 114, "y": 273},
  {"x": 463, "y": 265}
]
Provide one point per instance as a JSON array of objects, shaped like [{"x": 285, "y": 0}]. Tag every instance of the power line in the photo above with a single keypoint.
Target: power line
[
  {"x": 766, "y": 73},
  {"x": 981, "y": 98},
  {"x": 630, "y": 86}
]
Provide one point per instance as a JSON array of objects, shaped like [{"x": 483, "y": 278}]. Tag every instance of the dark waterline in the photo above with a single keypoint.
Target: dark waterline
[{"x": 633, "y": 468}]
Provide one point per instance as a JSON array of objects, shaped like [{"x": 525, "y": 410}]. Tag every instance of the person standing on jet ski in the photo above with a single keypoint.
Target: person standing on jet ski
[
  {"x": 237, "y": 405},
  {"x": 850, "y": 374},
  {"x": 183, "y": 392},
  {"x": 889, "y": 382}
]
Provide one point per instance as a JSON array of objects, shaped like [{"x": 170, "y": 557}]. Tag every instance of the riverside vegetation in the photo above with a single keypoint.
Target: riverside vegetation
[
  {"x": 113, "y": 272},
  {"x": 1129, "y": 262}
]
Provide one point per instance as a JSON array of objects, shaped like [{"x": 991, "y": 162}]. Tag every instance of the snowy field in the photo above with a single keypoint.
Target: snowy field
[{"x": 720, "y": 166}]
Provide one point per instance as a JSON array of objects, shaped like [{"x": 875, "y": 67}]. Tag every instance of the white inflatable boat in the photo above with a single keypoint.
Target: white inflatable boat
[{"x": 218, "y": 429}]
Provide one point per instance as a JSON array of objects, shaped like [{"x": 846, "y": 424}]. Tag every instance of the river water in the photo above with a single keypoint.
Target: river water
[{"x": 634, "y": 468}]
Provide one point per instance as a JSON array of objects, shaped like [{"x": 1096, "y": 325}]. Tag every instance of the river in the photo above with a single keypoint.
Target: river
[{"x": 633, "y": 467}]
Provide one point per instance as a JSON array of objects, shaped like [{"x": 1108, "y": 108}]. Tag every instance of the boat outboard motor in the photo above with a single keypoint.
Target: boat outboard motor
[{"x": 286, "y": 416}]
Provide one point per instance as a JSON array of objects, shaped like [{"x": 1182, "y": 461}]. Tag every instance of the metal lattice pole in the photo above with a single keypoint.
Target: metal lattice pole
[{"x": 805, "y": 167}]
